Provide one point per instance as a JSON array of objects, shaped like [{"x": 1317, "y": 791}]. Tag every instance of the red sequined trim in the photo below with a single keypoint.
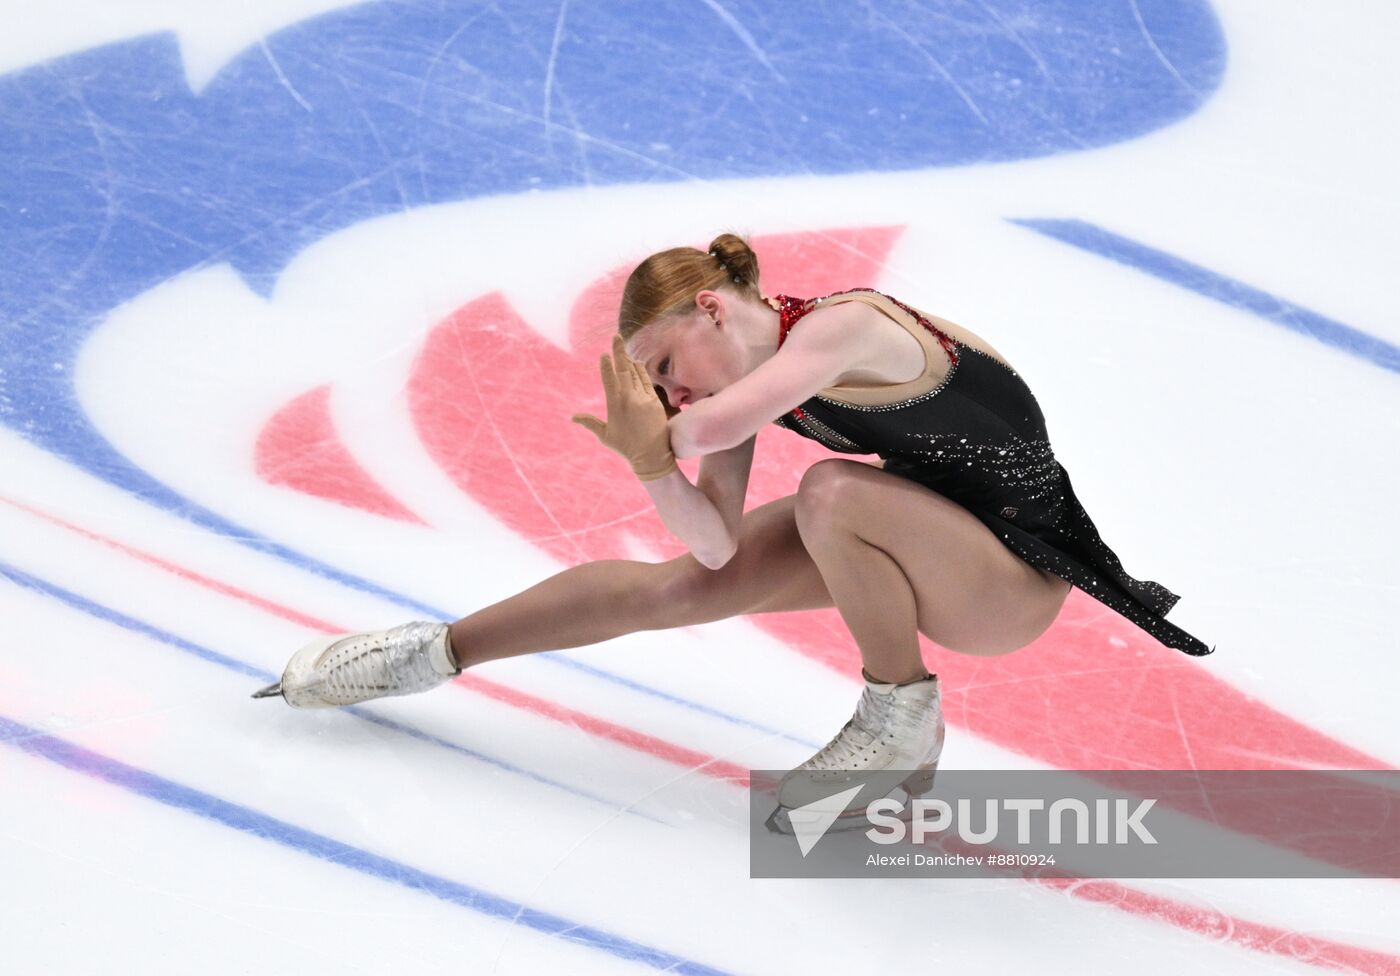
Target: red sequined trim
[{"x": 791, "y": 309}]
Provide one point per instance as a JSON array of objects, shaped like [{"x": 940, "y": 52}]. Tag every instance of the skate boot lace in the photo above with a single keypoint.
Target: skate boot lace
[
  {"x": 394, "y": 665},
  {"x": 857, "y": 735},
  {"x": 877, "y": 718}
]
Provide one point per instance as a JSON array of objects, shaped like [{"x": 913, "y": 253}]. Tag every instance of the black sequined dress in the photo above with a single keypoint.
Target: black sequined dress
[{"x": 979, "y": 439}]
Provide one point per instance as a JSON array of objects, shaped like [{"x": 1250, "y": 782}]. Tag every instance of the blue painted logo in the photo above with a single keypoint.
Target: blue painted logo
[{"x": 114, "y": 177}]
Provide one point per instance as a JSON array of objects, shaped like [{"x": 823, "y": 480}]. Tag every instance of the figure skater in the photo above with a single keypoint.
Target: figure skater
[{"x": 967, "y": 531}]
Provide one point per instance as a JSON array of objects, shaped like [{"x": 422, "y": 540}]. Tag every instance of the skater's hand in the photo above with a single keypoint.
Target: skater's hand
[{"x": 636, "y": 426}]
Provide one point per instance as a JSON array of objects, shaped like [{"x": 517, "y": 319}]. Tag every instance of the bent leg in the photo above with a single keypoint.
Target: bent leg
[
  {"x": 597, "y": 601},
  {"x": 901, "y": 559}
]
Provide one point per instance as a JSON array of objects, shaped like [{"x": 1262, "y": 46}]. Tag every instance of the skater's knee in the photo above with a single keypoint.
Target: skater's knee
[{"x": 825, "y": 489}]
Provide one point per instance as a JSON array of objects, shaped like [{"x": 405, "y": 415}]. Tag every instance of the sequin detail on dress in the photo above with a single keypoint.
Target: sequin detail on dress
[
  {"x": 818, "y": 431},
  {"x": 980, "y": 440},
  {"x": 1017, "y": 463}
]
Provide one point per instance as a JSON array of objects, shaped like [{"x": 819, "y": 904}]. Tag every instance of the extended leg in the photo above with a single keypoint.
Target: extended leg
[{"x": 770, "y": 571}]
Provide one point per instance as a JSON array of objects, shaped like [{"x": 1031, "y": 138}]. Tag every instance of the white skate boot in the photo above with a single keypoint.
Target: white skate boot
[
  {"x": 350, "y": 668},
  {"x": 896, "y": 729}
]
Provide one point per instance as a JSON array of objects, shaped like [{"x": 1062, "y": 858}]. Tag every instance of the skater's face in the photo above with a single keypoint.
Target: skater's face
[{"x": 694, "y": 357}]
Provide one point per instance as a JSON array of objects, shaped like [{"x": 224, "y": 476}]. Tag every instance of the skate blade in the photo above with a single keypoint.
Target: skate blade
[
  {"x": 779, "y": 822},
  {"x": 271, "y": 691}
]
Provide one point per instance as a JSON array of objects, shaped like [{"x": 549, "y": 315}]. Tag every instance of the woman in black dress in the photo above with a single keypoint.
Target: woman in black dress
[{"x": 967, "y": 531}]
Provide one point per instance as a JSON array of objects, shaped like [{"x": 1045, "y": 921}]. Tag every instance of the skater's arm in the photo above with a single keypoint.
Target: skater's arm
[
  {"x": 724, "y": 478},
  {"x": 692, "y": 518},
  {"x": 710, "y": 531},
  {"x": 812, "y": 359},
  {"x": 637, "y": 429}
]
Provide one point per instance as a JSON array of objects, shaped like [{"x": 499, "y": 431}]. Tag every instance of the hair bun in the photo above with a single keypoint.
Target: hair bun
[
  {"x": 667, "y": 282},
  {"x": 737, "y": 258}
]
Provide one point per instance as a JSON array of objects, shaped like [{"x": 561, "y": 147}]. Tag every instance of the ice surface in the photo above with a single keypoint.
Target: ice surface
[{"x": 263, "y": 270}]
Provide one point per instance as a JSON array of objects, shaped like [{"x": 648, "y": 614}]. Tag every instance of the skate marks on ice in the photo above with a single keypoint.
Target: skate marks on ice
[{"x": 392, "y": 128}]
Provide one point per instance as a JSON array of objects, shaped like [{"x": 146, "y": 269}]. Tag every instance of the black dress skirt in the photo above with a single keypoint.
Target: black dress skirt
[{"x": 980, "y": 440}]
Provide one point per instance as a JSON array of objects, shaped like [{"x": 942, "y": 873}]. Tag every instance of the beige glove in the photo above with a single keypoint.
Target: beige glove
[{"x": 636, "y": 426}]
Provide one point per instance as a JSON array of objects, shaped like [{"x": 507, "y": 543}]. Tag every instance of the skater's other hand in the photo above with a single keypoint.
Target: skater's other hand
[{"x": 636, "y": 427}]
